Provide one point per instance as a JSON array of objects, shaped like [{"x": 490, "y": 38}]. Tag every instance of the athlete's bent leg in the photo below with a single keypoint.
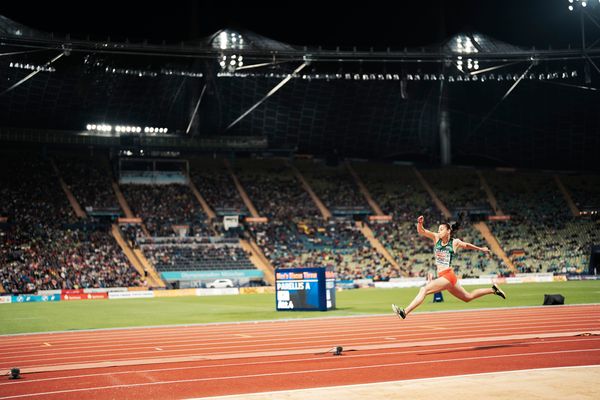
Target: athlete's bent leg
[
  {"x": 433, "y": 286},
  {"x": 460, "y": 293}
]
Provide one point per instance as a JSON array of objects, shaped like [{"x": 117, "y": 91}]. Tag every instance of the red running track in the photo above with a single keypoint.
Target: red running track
[{"x": 219, "y": 359}]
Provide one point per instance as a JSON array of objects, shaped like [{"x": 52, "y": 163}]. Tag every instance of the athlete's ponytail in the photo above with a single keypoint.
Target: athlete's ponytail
[{"x": 455, "y": 225}]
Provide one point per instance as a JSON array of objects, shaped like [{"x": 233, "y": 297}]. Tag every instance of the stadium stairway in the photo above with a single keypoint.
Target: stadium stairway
[
  {"x": 241, "y": 191},
  {"x": 127, "y": 250},
  {"x": 567, "y": 196},
  {"x": 325, "y": 213},
  {"x": 436, "y": 200},
  {"x": 207, "y": 210},
  {"x": 368, "y": 234},
  {"x": 363, "y": 189},
  {"x": 490, "y": 195},
  {"x": 72, "y": 200},
  {"x": 152, "y": 273},
  {"x": 494, "y": 244},
  {"x": 125, "y": 207},
  {"x": 259, "y": 260},
  {"x": 122, "y": 201}
]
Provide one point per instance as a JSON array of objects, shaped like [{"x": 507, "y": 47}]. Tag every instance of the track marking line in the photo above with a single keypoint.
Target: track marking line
[
  {"x": 282, "y": 352},
  {"x": 136, "y": 330},
  {"x": 258, "y": 344},
  {"x": 69, "y": 338}
]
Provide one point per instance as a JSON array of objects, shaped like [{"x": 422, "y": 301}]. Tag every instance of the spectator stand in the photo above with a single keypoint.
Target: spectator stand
[
  {"x": 247, "y": 202},
  {"x": 461, "y": 187},
  {"x": 541, "y": 223},
  {"x": 44, "y": 246}
]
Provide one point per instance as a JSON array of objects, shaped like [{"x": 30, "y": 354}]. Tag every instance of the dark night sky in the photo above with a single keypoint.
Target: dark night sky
[{"x": 413, "y": 23}]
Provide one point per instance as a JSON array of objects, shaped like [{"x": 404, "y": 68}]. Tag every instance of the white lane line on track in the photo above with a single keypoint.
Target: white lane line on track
[
  {"x": 236, "y": 348},
  {"x": 445, "y": 339},
  {"x": 191, "y": 339},
  {"x": 284, "y": 334},
  {"x": 172, "y": 344},
  {"x": 434, "y": 328},
  {"x": 253, "y": 362},
  {"x": 318, "y": 323},
  {"x": 567, "y": 309},
  {"x": 311, "y": 371}
]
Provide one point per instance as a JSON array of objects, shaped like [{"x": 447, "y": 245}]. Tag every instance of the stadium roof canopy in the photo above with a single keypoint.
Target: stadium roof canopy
[
  {"x": 253, "y": 45},
  {"x": 9, "y": 28},
  {"x": 367, "y": 103}
]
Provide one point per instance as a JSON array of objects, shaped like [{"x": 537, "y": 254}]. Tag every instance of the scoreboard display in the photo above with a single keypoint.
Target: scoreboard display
[{"x": 305, "y": 289}]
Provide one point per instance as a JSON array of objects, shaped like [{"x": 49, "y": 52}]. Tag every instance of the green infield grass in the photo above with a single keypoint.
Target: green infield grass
[{"x": 93, "y": 314}]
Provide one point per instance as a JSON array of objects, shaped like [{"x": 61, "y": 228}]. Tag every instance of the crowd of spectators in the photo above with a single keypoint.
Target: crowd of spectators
[
  {"x": 398, "y": 192},
  {"x": 542, "y": 232},
  {"x": 42, "y": 244},
  {"x": 89, "y": 179},
  {"x": 162, "y": 207},
  {"x": 584, "y": 189},
  {"x": 274, "y": 190},
  {"x": 30, "y": 193},
  {"x": 196, "y": 256},
  {"x": 457, "y": 188},
  {"x": 333, "y": 185},
  {"x": 214, "y": 182},
  {"x": 64, "y": 259},
  {"x": 335, "y": 243}
]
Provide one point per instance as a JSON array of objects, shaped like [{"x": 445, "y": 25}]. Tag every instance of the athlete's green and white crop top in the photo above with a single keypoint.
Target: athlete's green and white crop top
[{"x": 443, "y": 254}]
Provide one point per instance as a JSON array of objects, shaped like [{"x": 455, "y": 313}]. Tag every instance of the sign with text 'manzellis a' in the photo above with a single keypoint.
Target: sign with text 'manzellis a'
[{"x": 305, "y": 289}]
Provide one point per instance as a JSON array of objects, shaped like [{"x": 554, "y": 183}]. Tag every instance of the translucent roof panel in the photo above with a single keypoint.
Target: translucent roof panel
[
  {"x": 227, "y": 39},
  {"x": 9, "y": 27},
  {"x": 473, "y": 43}
]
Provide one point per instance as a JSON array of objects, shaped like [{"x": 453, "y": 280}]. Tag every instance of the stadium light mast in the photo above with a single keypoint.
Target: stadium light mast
[
  {"x": 463, "y": 49},
  {"x": 584, "y": 8}
]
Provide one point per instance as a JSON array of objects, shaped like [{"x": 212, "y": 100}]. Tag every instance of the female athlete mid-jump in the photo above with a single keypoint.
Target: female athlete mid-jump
[{"x": 444, "y": 248}]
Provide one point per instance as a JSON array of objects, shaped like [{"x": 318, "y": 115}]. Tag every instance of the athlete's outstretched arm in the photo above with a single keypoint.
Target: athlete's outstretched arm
[
  {"x": 468, "y": 246},
  {"x": 424, "y": 232}
]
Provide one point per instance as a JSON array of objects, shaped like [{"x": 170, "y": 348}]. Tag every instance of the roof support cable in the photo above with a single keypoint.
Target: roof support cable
[
  {"x": 31, "y": 75},
  {"x": 271, "y": 92}
]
